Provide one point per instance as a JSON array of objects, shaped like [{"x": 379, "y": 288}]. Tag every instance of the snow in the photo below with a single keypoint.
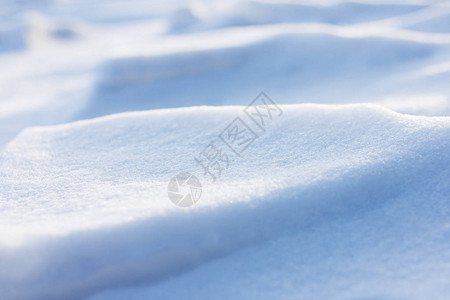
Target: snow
[
  {"x": 89, "y": 199},
  {"x": 112, "y": 57},
  {"x": 343, "y": 196}
]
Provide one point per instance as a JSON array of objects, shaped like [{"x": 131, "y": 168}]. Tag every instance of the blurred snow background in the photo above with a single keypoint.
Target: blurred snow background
[
  {"x": 68, "y": 60},
  {"x": 354, "y": 206}
]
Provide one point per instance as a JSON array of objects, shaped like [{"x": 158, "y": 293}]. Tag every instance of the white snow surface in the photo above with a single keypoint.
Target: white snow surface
[
  {"x": 63, "y": 61},
  {"x": 353, "y": 198},
  {"x": 344, "y": 196}
]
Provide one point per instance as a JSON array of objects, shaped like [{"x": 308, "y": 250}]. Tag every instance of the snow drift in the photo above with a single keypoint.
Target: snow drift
[
  {"x": 84, "y": 205},
  {"x": 330, "y": 202},
  {"x": 303, "y": 57},
  {"x": 64, "y": 61}
]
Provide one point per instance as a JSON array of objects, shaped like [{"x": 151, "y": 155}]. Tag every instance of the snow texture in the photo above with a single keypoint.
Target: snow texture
[
  {"x": 89, "y": 201},
  {"x": 344, "y": 195}
]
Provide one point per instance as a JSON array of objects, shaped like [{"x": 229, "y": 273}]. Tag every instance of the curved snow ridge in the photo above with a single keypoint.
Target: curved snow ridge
[
  {"x": 134, "y": 83},
  {"x": 242, "y": 13},
  {"x": 87, "y": 208},
  {"x": 132, "y": 70},
  {"x": 416, "y": 18},
  {"x": 351, "y": 31}
]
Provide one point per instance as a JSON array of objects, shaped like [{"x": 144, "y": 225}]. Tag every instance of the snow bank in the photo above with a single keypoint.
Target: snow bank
[
  {"x": 84, "y": 205},
  {"x": 305, "y": 58},
  {"x": 331, "y": 202},
  {"x": 68, "y": 60},
  {"x": 247, "y": 13}
]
